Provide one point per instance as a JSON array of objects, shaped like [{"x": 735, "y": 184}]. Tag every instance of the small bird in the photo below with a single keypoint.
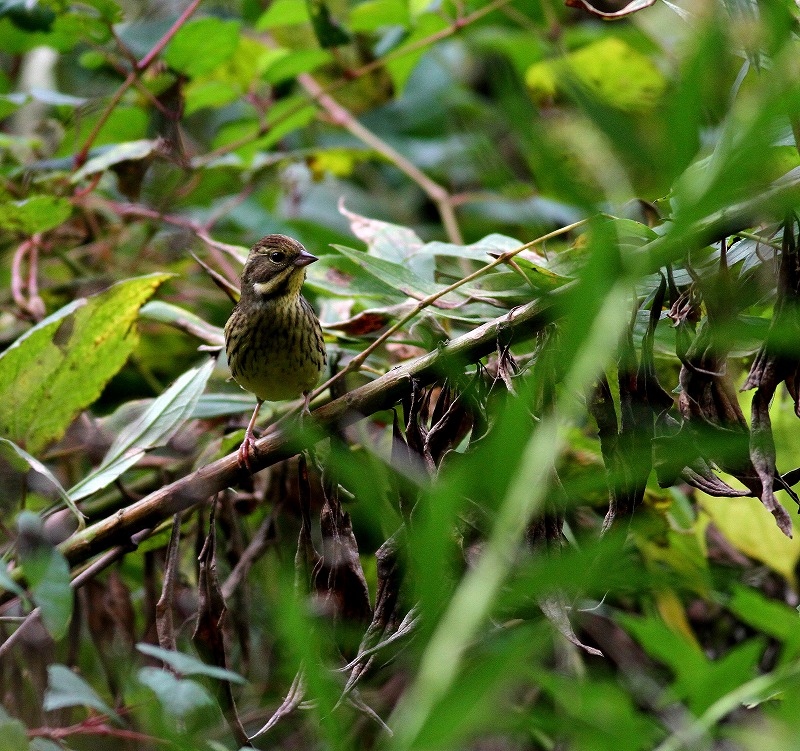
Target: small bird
[{"x": 273, "y": 338}]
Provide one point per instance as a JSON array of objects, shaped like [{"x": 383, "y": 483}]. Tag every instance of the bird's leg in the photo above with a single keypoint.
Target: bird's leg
[
  {"x": 306, "y": 401},
  {"x": 249, "y": 442}
]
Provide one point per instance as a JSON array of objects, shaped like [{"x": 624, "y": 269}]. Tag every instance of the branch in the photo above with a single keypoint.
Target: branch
[{"x": 377, "y": 395}]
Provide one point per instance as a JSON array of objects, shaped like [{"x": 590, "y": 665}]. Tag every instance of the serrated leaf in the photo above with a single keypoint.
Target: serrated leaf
[
  {"x": 47, "y": 573},
  {"x": 202, "y": 45},
  {"x": 123, "y": 152},
  {"x": 155, "y": 427},
  {"x": 33, "y": 215},
  {"x": 66, "y": 688},
  {"x": 30, "y": 462},
  {"x": 188, "y": 665},
  {"x": 61, "y": 365}
]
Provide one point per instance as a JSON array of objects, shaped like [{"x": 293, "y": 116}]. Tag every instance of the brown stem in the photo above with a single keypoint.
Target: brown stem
[
  {"x": 144, "y": 63},
  {"x": 342, "y": 117}
]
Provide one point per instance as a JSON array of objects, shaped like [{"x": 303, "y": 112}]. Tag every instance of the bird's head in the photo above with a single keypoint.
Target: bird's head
[{"x": 275, "y": 267}]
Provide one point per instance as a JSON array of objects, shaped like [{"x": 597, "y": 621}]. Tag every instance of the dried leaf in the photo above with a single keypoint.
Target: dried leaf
[{"x": 165, "y": 628}]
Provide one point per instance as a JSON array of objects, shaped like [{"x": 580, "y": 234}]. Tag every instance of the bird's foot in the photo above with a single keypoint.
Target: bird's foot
[{"x": 247, "y": 450}]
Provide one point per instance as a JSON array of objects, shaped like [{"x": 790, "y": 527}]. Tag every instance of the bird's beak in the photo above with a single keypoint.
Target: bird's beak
[{"x": 304, "y": 259}]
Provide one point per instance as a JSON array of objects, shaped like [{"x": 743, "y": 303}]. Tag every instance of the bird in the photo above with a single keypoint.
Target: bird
[{"x": 273, "y": 338}]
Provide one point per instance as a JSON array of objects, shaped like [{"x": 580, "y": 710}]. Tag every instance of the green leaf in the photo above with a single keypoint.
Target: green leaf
[
  {"x": 293, "y": 63},
  {"x": 698, "y": 680},
  {"x": 200, "y": 94},
  {"x": 180, "y": 318},
  {"x": 401, "y": 67},
  {"x": 47, "y": 573},
  {"x": 283, "y": 13},
  {"x": 482, "y": 250},
  {"x": 13, "y": 734},
  {"x": 210, "y": 406},
  {"x": 392, "y": 242},
  {"x": 37, "y": 214},
  {"x": 123, "y": 152},
  {"x": 188, "y": 665},
  {"x": 768, "y": 616},
  {"x": 180, "y": 697},
  {"x": 155, "y": 427},
  {"x": 7, "y": 583},
  {"x": 61, "y": 365},
  {"x": 201, "y": 46},
  {"x": 328, "y": 32},
  {"x": 610, "y": 68},
  {"x": 392, "y": 273},
  {"x": 30, "y": 462},
  {"x": 375, "y": 14},
  {"x": 65, "y": 688}
]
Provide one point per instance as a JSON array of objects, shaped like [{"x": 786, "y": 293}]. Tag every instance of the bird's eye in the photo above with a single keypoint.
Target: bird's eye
[{"x": 277, "y": 256}]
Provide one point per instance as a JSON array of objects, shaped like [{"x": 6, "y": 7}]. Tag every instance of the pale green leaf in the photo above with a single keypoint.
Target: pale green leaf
[
  {"x": 401, "y": 67},
  {"x": 65, "y": 688},
  {"x": 179, "y": 697},
  {"x": 180, "y": 318},
  {"x": 375, "y": 14},
  {"x": 155, "y": 427},
  {"x": 123, "y": 152},
  {"x": 188, "y": 665},
  {"x": 13, "y": 734}
]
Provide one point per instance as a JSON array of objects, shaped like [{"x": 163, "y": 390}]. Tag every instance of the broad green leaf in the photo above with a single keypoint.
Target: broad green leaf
[
  {"x": 123, "y": 152},
  {"x": 698, "y": 680},
  {"x": 481, "y": 250},
  {"x": 216, "y": 94},
  {"x": 295, "y": 62},
  {"x": 202, "y": 45},
  {"x": 387, "y": 271},
  {"x": 283, "y": 13},
  {"x": 285, "y": 116},
  {"x": 47, "y": 574},
  {"x": 180, "y": 697},
  {"x": 37, "y": 214},
  {"x": 13, "y": 734},
  {"x": 188, "y": 665},
  {"x": 328, "y": 31},
  {"x": 392, "y": 242},
  {"x": 610, "y": 68},
  {"x": 62, "y": 364},
  {"x": 768, "y": 616},
  {"x": 375, "y": 14},
  {"x": 401, "y": 67},
  {"x": 65, "y": 688},
  {"x": 154, "y": 428},
  {"x": 30, "y": 462}
]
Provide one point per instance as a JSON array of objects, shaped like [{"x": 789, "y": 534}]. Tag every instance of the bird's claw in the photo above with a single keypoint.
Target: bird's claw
[{"x": 246, "y": 451}]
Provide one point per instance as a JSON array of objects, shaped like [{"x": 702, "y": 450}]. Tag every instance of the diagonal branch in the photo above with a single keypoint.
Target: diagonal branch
[{"x": 379, "y": 394}]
